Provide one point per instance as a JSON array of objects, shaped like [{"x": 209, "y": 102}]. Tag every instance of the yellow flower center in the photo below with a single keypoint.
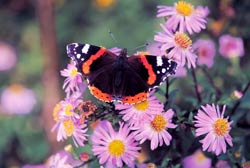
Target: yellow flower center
[
  {"x": 16, "y": 88},
  {"x": 184, "y": 8},
  {"x": 69, "y": 127},
  {"x": 182, "y": 40},
  {"x": 69, "y": 148},
  {"x": 221, "y": 127},
  {"x": 73, "y": 72},
  {"x": 237, "y": 154},
  {"x": 68, "y": 109},
  {"x": 159, "y": 123},
  {"x": 200, "y": 157},
  {"x": 104, "y": 3},
  {"x": 142, "y": 53},
  {"x": 56, "y": 111},
  {"x": 142, "y": 106},
  {"x": 116, "y": 148}
]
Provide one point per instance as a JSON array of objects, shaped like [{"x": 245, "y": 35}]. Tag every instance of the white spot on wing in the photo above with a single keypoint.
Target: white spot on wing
[
  {"x": 159, "y": 61},
  {"x": 75, "y": 44},
  {"x": 85, "y": 49},
  {"x": 163, "y": 70},
  {"x": 78, "y": 56}
]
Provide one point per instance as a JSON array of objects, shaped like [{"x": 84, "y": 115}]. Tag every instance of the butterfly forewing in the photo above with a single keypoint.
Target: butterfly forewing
[
  {"x": 94, "y": 57},
  {"x": 162, "y": 67},
  {"x": 81, "y": 52},
  {"x": 152, "y": 69}
]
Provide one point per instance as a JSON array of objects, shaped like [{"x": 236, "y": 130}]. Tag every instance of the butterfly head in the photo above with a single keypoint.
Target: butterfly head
[{"x": 123, "y": 53}]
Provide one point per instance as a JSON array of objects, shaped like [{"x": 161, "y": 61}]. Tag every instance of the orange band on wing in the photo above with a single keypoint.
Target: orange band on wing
[
  {"x": 151, "y": 74},
  {"x": 135, "y": 99},
  {"x": 99, "y": 94},
  {"x": 92, "y": 58}
]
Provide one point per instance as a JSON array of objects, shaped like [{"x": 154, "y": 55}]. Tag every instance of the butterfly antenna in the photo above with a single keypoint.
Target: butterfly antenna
[
  {"x": 140, "y": 46},
  {"x": 113, "y": 37}
]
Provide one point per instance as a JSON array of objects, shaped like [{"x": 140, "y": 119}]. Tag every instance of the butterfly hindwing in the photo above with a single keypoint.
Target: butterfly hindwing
[{"x": 120, "y": 81}]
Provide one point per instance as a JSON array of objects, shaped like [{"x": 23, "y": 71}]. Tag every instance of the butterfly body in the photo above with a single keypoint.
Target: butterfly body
[{"x": 114, "y": 77}]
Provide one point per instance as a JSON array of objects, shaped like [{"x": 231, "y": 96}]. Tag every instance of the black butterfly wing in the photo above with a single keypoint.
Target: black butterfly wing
[
  {"x": 133, "y": 88},
  {"x": 112, "y": 77},
  {"x": 140, "y": 73},
  {"x": 87, "y": 57},
  {"x": 95, "y": 65},
  {"x": 118, "y": 81},
  {"x": 155, "y": 69}
]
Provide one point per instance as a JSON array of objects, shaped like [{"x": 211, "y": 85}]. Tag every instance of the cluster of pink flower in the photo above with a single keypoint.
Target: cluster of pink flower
[
  {"x": 174, "y": 41},
  {"x": 148, "y": 120},
  {"x": 68, "y": 122},
  {"x": 180, "y": 18}
]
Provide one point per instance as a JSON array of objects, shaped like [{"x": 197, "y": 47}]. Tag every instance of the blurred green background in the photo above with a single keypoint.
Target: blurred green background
[{"x": 23, "y": 138}]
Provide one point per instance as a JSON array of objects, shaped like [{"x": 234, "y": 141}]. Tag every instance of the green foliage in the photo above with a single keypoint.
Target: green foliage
[{"x": 20, "y": 138}]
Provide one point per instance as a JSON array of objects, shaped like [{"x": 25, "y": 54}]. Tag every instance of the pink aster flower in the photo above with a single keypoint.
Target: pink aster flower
[
  {"x": 155, "y": 129},
  {"x": 71, "y": 128},
  {"x": 230, "y": 47},
  {"x": 136, "y": 113},
  {"x": 210, "y": 121},
  {"x": 73, "y": 81},
  {"x": 205, "y": 51},
  {"x": 17, "y": 99},
  {"x": 179, "y": 44},
  {"x": 197, "y": 160},
  {"x": 155, "y": 49},
  {"x": 68, "y": 122},
  {"x": 66, "y": 108},
  {"x": 8, "y": 57},
  {"x": 58, "y": 160},
  {"x": 114, "y": 148},
  {"x": 222, "y": 164},
  {"x": 184, "y": 15},
  {"x": 115, "y": 50},
  {"x": 202, "y": 11},
  {"x": 180, "y": 72},
  {"x": 237, "y": 94},
  {"x": 61, "y": 159}
]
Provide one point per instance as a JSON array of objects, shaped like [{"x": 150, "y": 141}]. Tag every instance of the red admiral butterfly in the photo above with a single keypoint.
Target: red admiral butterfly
[{"x": 114, "y": 77}]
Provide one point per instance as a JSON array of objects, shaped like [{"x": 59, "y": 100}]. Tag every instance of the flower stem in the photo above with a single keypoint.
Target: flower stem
[
  {"x": 167, "y": 91},
  {"x": 210, "y": 79},
  {"x": 196, "y": 85}
]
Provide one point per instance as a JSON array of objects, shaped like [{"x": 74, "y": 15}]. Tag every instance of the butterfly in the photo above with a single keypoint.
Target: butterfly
[{"x": 113, "y": 77}]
